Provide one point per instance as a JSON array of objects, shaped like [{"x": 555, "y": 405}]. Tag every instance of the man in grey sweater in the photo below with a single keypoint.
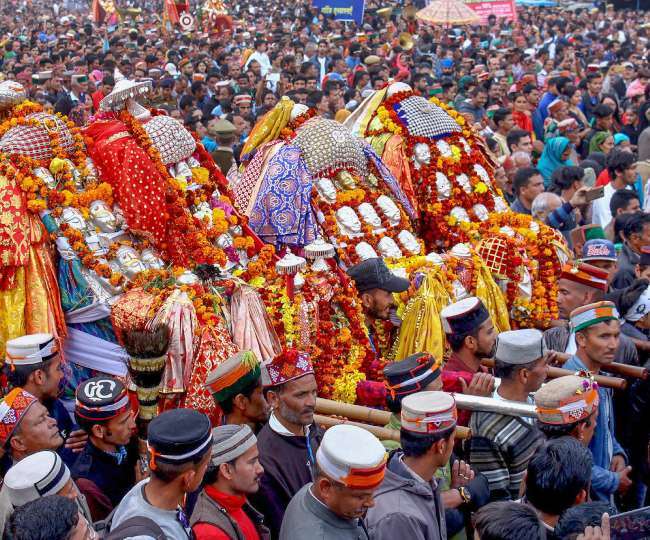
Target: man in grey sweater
[
  {"x": 350, "y": 464},
  {"x": 407, "y": 504}
]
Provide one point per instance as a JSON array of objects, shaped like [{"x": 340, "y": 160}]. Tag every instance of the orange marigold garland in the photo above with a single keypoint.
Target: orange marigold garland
[
  {"x": 464, "y": 151},
  {"x": 195, "y": 241},
  {"x": 537, "y": 241}
]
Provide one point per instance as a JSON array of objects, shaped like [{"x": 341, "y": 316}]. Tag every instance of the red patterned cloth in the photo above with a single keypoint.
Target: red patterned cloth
[
  {"x": 213, "y": 348},
  {"x": 138, "y": 185},
  {"x": 14, "y": 232}
]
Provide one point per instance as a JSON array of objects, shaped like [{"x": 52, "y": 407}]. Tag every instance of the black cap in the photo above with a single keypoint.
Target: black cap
[
  {"x": 411, "y": 375},
  {"x": 374, "y": 274},
  {"x": 179, "y": 436},
  {"x": 101, "y": 398}
]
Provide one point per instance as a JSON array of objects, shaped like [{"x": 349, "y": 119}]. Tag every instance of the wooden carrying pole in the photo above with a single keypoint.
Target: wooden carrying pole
[
  {"x": 359, "y": 413},
  {"x": 636, "y": 372},
  {"x": 382, "y": 433},
  {"x": 555, "y": 372}
]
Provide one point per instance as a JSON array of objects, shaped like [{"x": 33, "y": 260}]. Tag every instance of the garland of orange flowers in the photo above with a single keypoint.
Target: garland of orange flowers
[
  {"x": 543, "y": 267},
  {"x": 437, "y": 229},
  {"x": 196, "y": 238},
  {"x": 263, "y": 267}
]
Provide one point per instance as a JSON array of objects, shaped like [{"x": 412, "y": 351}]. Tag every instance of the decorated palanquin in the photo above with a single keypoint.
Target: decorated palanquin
[
  {"x": 439, "y": 161},
  {"x": 444, "y": 169},
  {"x": 306, "y": 177},
  {"x": 314, "y": 307},
  {"x": 134, "y": 207}
]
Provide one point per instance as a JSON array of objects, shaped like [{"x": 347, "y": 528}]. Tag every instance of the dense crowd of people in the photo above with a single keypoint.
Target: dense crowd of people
[{"x": 562, "y": 99}]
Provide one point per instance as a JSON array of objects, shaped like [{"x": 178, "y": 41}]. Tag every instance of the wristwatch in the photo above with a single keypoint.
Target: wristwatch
[{"x": 465, "y": 494}]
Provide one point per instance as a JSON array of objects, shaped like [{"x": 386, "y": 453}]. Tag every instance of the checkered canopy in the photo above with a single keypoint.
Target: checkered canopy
[
  {"x": 424, "y": 119},
  {"x": 34, "y": 141},
  {"x": 171, "y": 139}
]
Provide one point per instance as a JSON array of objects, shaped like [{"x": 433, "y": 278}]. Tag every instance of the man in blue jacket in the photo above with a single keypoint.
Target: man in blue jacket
[{"x": 597, "y": 331}]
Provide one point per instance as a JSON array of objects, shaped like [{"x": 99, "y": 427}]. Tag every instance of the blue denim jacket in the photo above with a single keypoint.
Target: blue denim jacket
[{"x": 603, "y": 445}]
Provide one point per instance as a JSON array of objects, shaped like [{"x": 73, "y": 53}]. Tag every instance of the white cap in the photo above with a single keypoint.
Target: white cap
[
  {"x": 463, "y": 316},
  {"x": 517, "y": 347},
  {"x": 31, "y": 349},
  {"x": 429, "y": 412},
  {"x": 35, "y": 476},
  {"x": 353, "y": 456},
  {"x": 171, "y": 69}
]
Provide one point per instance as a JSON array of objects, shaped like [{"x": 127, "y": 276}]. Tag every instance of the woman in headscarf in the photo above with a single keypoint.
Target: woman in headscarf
[
  {"x": 602, "y": 141},
  {"x": 556, "y": 154}
]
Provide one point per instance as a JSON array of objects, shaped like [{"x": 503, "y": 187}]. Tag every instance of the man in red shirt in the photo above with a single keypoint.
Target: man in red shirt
[
  {"x": 104, "y": 88},
  {"x": 472, "y": 338},
  {"x": 222, "y": 511}
]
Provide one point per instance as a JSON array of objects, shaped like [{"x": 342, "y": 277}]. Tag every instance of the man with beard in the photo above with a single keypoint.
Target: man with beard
[
  {"x": 502, "y": 444},
  {"x": 472, "y": 338},
  {"x": 290, "y": 439},
  {"x": 236, "y": 386},
  {"x": 34, "y": 364},
  {"x": 222, "y": 509},
  {"x": 581, "y": 284},
  {"x": 597, "y": 331},
  {"x": 376, "y": 285},
  {"x": 350, "y": 466}
]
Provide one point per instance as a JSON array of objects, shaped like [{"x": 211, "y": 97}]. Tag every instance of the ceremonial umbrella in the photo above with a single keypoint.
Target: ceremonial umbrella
[{"x": 448, "y": 13}]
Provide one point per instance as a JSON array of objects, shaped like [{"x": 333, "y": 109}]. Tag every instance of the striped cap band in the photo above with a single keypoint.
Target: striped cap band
[{"x": 592, "y": 314}]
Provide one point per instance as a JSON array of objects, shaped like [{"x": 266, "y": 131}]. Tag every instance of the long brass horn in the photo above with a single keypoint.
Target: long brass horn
[
  {"x": 406, "y": 41},
  {"x": 385, "y": 12},
  {"x": 409, "y": 12}
]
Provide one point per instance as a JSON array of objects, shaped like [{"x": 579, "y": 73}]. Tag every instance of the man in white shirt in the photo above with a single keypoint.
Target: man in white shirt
[
  {"x": 260, "y": 56},
  {"x": 622, "y": 174}
]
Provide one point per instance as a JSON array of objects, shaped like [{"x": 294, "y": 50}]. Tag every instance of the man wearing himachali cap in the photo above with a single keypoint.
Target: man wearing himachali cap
[
  {"x": 39, "y": 475},
  {"x": 597, "y": 330},
  {"x": 582, "y": 284},
  {"x": 502, "y": 444},
  {"x": 180, "y": 444},
  {"x": 34, "y": 364},
  {"x": 222, "y": 509},
  {"x": 408, "y": 504},
  {"x": 472, "y": 338},
  {"x": 25, "y": 426},
  {"x": 236, "y": 386},
  {"x": 350, "y": 465},
  {"x": 106, "y": 468},
  {"x": 289, "y": 441},
  {"x": 568, "y": 406}
]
